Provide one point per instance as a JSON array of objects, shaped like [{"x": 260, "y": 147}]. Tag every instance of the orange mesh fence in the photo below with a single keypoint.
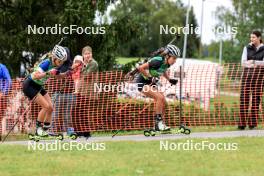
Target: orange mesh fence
[{"x": 211, "y": 94}]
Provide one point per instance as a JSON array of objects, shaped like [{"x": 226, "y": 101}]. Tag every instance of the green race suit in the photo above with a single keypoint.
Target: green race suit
[
  {"x": 43, "y": 66},
  {"x": 157, "y": 66}
]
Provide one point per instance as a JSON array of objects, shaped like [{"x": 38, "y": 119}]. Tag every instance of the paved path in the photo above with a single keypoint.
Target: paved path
[{"x": 203, "y": 135}]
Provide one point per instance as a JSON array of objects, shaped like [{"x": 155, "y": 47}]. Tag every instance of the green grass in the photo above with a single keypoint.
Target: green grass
[
  {"x": 125, "y": 60},
  {"x": 136, "y": 159},
  {"x": 228, "y": 101},
  {"x": 212, "y": 59}
]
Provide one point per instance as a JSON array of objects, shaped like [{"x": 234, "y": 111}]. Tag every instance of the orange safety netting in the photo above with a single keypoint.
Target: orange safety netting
[{"x": 211, "y": 94}]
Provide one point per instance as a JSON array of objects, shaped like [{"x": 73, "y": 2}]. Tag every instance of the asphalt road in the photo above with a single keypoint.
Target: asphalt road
[{"x": 201, "y": 135}]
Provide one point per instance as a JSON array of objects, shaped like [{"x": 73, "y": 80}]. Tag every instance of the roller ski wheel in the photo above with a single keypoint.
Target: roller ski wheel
[
  {"x": 37, "y": 138},
  {"x": 187, "y": 131},
  {"x": 152, "y": 132},
  {"x": 32, "y": 137},
  {"x": 60, "y": 137},
  {"x": 184, "y": 130},
  {"x": 149, "y": 132},
  {"x": 73, "y": 136},
  {"x": 146, "y": 133}
]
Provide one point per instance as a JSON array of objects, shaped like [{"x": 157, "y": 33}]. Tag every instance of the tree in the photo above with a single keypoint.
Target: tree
[
  {"x": 15, "y": 16},
  {"x": 149, "y": 15},
  {"x": 247, "y": 16}
]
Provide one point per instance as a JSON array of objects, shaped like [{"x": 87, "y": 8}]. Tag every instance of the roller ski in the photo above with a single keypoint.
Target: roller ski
[
  {"x": 42, "y": 134},
  {"x": 161, "y": 128},
  {"x": 60, "y": 137},
  {"x": 37, "y": 138}
]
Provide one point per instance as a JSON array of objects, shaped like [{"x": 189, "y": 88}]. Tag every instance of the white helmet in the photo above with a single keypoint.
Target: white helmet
[
  {"x": 173, "y": 50},
  {"x": 78, "y": 58},
  {"x": 59, "y": 52}
]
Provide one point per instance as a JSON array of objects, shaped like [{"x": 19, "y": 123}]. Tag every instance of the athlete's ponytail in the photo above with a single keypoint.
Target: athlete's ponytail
[
  {"x": 158, "y": 52},
  {"x": 170, "y": 49}
]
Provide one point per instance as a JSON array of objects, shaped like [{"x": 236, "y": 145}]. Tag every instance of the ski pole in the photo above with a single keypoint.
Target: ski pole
[{"x": 26, "y": 110}]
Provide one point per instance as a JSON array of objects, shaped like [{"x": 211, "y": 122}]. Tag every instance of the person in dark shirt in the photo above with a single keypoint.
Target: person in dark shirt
[
  {"x": 252, "y": 81},
  {"x": 65, "y": 99}
]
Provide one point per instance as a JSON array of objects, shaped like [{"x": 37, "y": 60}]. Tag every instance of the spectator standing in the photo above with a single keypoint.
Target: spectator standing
[
  {"x": 5, "y": 85},
  {"x": 252, "y": 81}
]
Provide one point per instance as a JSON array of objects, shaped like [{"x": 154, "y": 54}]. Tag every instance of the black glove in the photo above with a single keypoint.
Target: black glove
[
  {"x": 173, "y": 81},
  {"x": 53, "y": 72},
  {"x": 153, "y": 80},
  {"x": 69, "y": 73}
]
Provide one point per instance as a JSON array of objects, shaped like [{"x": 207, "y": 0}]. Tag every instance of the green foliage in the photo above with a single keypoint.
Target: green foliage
[
  {"x": 231, "y": 51},
  {"x": 146, "y": 17},
  {"x": 247, "y": 16},
  {"x": 128, "y": 66},
  {"x": 15, "y": 16}
]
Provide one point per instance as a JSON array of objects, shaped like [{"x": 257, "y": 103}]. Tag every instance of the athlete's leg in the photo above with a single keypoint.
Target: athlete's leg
[
  {"x": 163, "y": 104},
  {"x": 158, "y": 98},
  {"x": 46, "y": 107},
  {"x": 160, "y": 104},
  {"x": 163, "y": 112},
  {"x": 48, "y": 115}
]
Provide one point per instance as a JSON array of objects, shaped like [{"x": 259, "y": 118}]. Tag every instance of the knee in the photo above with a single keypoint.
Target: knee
[
  {"x": 161, "y": 98},
  {"x": 49, "y": 107}
]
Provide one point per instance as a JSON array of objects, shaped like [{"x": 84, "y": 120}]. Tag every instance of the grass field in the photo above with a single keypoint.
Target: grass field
[
  {"x": 136, "y": 159},
  {"x": 125, "y": 60}
]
